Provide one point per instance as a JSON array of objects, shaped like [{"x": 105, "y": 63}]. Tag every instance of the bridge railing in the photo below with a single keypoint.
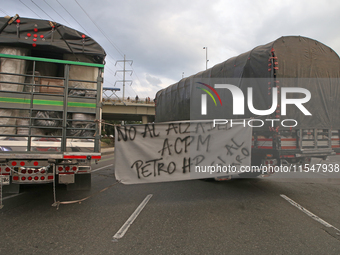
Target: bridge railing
[{"x": 129, "y": 101}]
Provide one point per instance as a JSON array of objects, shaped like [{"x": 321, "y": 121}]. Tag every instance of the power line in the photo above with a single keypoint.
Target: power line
[
  {"x": 119, "y": 51},
  {"x": 30, "y": 9},
  {"x": 116, "y": 47},
  {"x": 106, "y": 37},
  {"x": 3, "y": 12},
  {"x": 73, "y": 18},
  {"x": 57, "y": 13},
  {"x": 42, "y": 10}
]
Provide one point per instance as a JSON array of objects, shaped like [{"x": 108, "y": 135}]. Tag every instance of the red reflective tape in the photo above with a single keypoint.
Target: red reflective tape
[
  {"x": 287, "y": 156},
  {"x": 81, "y": 157},
  {"x": 74, "y": 157},
  {"x": 288, "y": 147}
]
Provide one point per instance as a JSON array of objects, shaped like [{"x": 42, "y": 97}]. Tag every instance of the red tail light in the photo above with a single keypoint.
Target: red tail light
[
  {"x": 36, "y": 178},
  {"x": 50, "y": 177},
  {"x": 29, "y": 178},
  {"x": 42, "y": 178},
  {"x": 15, "y": 178},
  {"x": 22, "y": 178}
]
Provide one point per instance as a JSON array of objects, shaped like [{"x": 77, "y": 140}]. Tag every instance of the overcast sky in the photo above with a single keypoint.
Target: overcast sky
[{"x": 166, "y": 38}]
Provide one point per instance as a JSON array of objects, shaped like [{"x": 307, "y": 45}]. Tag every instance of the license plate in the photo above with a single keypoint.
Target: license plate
[{"x": 4, "y": 180}]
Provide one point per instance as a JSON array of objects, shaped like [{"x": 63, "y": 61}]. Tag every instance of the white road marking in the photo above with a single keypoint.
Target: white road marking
[
  {"x": 15, "y": 195},
  {"x": 121, "y": 232},
  {"x": 310, "y": 214},
  {"x": 101, "y": 168}
]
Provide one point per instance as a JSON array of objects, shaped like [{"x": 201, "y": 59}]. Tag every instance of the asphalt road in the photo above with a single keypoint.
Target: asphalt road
[{"x": 190, "y": 217}]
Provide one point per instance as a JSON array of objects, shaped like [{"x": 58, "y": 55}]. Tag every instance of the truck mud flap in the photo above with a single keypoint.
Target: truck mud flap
[
  {"x": 82, "y": 182},
  {"x": 13, "y": 188}
]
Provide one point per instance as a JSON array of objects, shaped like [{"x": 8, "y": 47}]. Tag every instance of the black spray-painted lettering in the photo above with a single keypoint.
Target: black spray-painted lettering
[
  {"x": 207, "y": 140},
  {"x": 166, "y": 145},
  {"x": 152, "y": 131},
  {"x": 171, "y": 126},
  {"x": 185, "y": 129}
]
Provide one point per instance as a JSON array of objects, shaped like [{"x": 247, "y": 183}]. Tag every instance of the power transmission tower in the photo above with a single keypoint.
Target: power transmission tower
[{"x": 124, "y": 71}]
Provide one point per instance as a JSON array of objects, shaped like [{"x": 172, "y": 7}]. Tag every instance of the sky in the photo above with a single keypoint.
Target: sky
[{"x": 165, "y": 39}]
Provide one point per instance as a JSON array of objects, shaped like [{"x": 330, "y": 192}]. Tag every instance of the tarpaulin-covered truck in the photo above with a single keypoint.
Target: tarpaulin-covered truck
[
  {"x": 50, "y": 98},
  {"x": 286, "y": 135}
]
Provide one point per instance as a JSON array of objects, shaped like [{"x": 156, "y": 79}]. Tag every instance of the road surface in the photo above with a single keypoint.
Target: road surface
[{"x": 254, "y": 216}]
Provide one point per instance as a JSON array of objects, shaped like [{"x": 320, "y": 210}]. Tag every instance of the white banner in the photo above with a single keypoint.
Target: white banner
[{"x": 177, "y": 151}]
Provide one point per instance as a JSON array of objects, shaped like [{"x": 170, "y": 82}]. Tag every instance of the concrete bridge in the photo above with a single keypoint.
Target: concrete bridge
[{"x": 128, "y": 110}]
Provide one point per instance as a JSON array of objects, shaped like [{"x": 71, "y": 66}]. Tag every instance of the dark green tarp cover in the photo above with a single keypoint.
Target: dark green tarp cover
[
  {"x": 302, "y": 62},
  {"x": 60, "y": 39}
]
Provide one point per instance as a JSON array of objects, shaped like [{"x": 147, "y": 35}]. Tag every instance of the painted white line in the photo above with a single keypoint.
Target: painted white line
[
  {"x": 310, "y": 214},
  {"x": 15, "y": 195},
  {"x": 121, "y": 232},
  {"x": 101, "y": 168}
]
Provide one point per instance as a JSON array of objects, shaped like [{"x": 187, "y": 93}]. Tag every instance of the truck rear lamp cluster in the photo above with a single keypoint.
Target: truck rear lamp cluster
[
  {"x": 5, "y": 169},
  {"x": 23, "y": 163},
  {"x": 67, "y": 168},
  {"x": 31, "y": 171},
  {"x": 271, "y": 162},
  {"x": 31, "y": 178}
]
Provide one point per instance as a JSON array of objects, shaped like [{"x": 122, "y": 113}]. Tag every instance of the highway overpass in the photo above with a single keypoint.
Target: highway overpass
[{"x": 128, "y": 111}]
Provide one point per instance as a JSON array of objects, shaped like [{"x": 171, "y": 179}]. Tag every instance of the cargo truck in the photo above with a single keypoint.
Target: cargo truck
[
  {"x": 50, "y": 98},
  {"x": 288, "y": 62}
]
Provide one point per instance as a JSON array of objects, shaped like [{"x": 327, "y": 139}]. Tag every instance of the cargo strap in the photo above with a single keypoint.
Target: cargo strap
[
  {"x": 58, "y": 203},
  {"x": 1, "y": 205}
]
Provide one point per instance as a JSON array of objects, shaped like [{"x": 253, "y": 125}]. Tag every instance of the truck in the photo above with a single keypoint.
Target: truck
[
  {"x": 270, "y": 70},
  {"x": 51, "y": 80}
]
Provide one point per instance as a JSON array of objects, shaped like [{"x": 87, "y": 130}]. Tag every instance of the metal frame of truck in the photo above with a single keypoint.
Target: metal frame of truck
[
  {"x": 41, "y": 158},
  {"x": 285, "y": 58}
]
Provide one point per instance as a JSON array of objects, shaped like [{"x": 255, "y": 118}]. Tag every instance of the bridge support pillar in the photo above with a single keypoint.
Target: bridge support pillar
[{"x": 145, "y": 119}]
